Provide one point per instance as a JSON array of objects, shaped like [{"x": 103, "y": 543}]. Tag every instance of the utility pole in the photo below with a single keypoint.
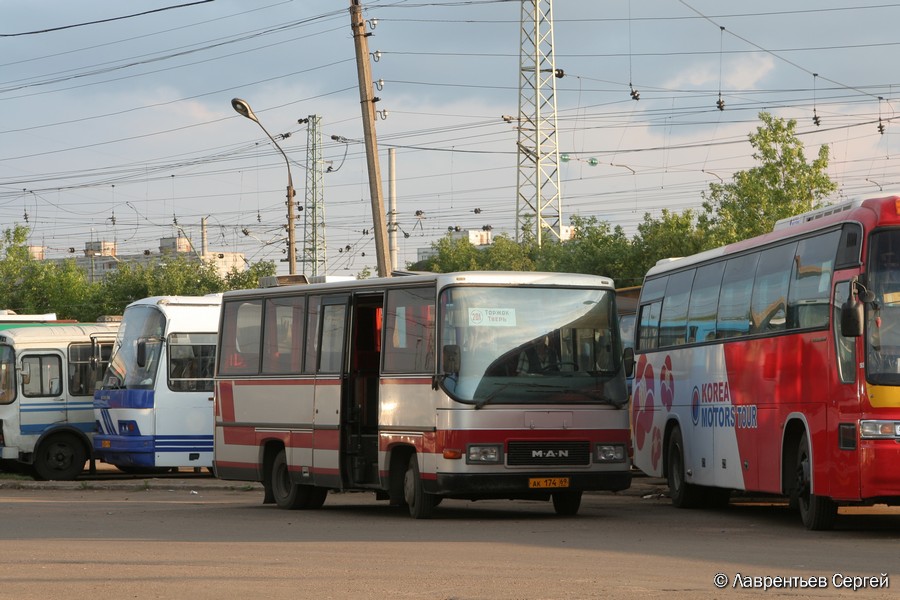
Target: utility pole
[
  {"x": 314, "y": 251},
  {"x": 367, "y": 104},
  {"x": 538, "y": 197}
]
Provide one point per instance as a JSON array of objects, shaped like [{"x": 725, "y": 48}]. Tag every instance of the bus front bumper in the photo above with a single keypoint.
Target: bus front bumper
[{"x": 519, "y": 485}]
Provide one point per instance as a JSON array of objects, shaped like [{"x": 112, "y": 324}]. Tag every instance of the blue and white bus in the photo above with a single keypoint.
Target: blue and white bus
[
  {"x": 48, "y": 372},
  {"x": 154, "y": 408}
]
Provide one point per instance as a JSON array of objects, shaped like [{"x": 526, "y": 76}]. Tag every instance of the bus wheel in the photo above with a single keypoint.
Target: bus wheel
[
  {"x": 289, "y": 495},
  {"x": 285, "y": 492},
  {"x": 684, "y": 494},
  {"x": 421, "y": 505},
  {"x": 566, "y": 504},
  {"x": 816, "y": 512},
  {"x": 60, "y": 457}
]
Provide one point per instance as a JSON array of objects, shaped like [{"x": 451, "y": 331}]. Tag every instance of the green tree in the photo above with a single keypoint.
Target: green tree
[
  {"x": 451, "y": 254},
  {"x": 248, "y": 278},
  {"x": 504, "y": 254},
  {"x": 783, "y": 184},
  {"x": 13, "y": 259},
  {"x": 597, "y": 249},
  {"x": 672, "y": 235}
]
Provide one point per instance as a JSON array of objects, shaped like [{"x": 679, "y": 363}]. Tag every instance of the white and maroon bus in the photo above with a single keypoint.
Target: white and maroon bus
[
  {"x": 773, "y": 365},
  {"x": 424, "y": 387}
]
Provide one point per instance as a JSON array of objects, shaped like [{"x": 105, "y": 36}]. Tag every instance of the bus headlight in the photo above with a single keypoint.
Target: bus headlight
[
  {"x": 610, "y": 453},
  {"x": 873, "y": 430},
  {"x": 483, "y": 454}
]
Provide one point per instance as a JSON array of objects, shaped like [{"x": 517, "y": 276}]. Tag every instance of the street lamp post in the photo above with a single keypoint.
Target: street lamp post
[{"x": 242, "y": 108}]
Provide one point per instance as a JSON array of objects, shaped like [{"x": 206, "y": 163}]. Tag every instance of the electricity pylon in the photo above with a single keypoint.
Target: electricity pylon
[
  {"x": 314, "y": 251},
  {"x": 538, "y": 199}
]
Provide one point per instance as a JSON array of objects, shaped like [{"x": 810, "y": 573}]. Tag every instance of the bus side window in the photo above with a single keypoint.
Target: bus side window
[
  {"x": 240, "y": 338},
  {"x": 648, "y": 326},
  {"x": 41, "y": 376},
  {"x": 80, "y": 369}
]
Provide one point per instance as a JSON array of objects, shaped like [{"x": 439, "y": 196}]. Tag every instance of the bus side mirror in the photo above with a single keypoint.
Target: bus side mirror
[
  {"x": 450, "y": 359},
  {"x": 26, "y": 374},
  {"x": 628, "y": 361},
  {"x": 141, "y": 354},
  {"x": 852, "y": 318}
]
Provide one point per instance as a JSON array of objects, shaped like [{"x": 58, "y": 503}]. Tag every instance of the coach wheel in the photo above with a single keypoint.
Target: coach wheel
[
  {"x": 816, "y": 512},
  {"x": 60, "y": 457},
  {"x": 288, "y": 494},
  {"x": 684, "y": 494},
  {"x": 566, "y": 504},
  {"x": 421, "y": 505},
  {"x": 285, "y": 492}
]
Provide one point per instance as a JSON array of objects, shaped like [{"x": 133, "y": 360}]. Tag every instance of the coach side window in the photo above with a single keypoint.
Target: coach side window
[
  {"x": 701, "y": 324},
  {"x": 239, "y": 353},
  {"x": 283, "y": 345},
  {"x": 648, "y": 317},
  {"x": 811, "y": 281},
  {"x": 312, "y": 334},
  {"x": 333, "y": 318},
  {"x": 734, "y": 301},
  {"x": 673, "y": 319},
  {"x": 768, "y": 304},
  {"x": 409, "y": 331}
]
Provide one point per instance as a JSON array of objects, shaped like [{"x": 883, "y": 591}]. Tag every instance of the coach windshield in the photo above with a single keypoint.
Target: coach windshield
[
  {"x": 135, "y": 363},
  {"x": 883, "y": 315},
  {"x": 530, "y": 345}
]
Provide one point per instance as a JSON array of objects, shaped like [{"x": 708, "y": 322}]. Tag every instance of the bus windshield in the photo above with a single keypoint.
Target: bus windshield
[
  {"x": 136, "y": 360},
  {"x": 883, "y": 327},
  {"x": 530, "y": 345}
]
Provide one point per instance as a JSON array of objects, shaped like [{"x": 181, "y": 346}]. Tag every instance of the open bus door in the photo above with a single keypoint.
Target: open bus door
[{"x": 360, "y": 402}]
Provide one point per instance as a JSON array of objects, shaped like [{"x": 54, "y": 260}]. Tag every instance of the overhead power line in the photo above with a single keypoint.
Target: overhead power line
[{"x": 140, "y": 14}]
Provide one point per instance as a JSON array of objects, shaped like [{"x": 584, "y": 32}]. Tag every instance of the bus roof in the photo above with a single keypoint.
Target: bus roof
[
  {"x": 207, "y": 300},
  {"x": 11, "y": 316},
  {"x": 53, "y": 332},
  {"x": 442, "y": 280}
]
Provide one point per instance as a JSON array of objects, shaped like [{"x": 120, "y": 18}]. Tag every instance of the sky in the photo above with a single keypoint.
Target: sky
[{"x": 117, "y": 122}]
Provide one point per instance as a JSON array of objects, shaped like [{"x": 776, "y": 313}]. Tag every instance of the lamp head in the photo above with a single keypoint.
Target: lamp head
[{"x": 242, "y": 108}]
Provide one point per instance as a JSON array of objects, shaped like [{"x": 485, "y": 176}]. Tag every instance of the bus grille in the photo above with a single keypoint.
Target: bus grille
[{"x": 548, "y": 453}]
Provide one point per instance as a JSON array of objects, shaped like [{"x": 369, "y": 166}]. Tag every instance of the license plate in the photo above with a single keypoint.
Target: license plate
[
  {"x": 548, "y": 482},
  {"x": 105, "y": 444}
]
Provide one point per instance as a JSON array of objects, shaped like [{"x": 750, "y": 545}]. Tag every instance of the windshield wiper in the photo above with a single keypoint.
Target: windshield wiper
[{"x": 491, "y": 396}]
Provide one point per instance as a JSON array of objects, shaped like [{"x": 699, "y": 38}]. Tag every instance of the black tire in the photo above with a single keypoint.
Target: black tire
[
  {"x": 817, "y": 512},
  {"x": 289, "y": 495},
  {"x": 714, "y": 497},
  {"x": 132, "y": 470},
  {"x": 421, "y": 504},
  {"x": 566, "y": 504},
  {"x": 60, "y": 457},
  {"x": 683, "y": 494}
]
